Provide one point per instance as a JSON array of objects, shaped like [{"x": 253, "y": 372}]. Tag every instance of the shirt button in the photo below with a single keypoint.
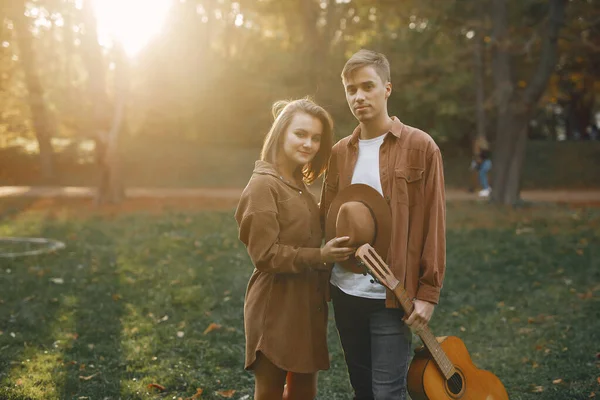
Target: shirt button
[{"x": 300, "y": 192}]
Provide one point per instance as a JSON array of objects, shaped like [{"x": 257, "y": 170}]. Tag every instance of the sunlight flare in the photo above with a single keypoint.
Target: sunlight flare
[{"x": 132, "y": 23}]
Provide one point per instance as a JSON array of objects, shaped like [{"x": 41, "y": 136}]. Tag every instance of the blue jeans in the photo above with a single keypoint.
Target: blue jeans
[
  {"x": 484, "y": 168},
  {"x": 376, "y": 345}
]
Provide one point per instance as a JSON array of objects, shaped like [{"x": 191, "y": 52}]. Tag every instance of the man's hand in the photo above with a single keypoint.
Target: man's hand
[{"x": 421, "y": 315}]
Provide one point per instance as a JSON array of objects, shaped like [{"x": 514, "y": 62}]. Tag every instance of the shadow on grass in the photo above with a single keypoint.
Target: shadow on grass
[
  {"x": 94, "y": 358},
  {"x": 65, "y": 323}
]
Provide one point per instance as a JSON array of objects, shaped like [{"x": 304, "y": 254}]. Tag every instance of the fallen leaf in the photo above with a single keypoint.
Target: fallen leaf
[
  {"x": 87, "y": 378},
  {"x": 197, "y": 395},
  {"x": 557, "y": 381},
  {"x": 58, "y": 281},
  {"x": 598, "y": 379},
  {"x": 116, "y": 297},
  {"x": 180, "y": 334},
  {"x": 586, "y": 296},
  {"x": 213, "y": 326},
  {"x": 156, "y": 386},
  {"x": 163, "y": 319},
  {"x": 19, "y": 382},
  {"x": 593, "y": 394},
  {"x": 537, "y": 389},
  {"x": 463, "y": 329},
  {"x": 226, "y": 393}
]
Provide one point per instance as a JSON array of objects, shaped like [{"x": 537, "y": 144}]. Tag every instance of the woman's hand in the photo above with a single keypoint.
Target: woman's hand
[{"x": 334, "y": 252}]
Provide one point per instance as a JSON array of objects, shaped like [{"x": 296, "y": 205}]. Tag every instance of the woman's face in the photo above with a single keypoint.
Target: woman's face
[{"x": 301, "y": 140}]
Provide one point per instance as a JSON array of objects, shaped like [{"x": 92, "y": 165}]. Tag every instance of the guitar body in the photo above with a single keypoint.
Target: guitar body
[{"x": 426, "y": 382}]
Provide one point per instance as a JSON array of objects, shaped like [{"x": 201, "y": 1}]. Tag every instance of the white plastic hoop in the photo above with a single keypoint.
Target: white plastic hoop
[{"x": 51, "y": 245}]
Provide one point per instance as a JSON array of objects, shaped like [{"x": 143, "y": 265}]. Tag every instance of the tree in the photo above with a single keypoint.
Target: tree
[
  {"x": 42, "y": 123},
  {"x": 104, "y": 125},
  {"x": 515, "y": 106}
]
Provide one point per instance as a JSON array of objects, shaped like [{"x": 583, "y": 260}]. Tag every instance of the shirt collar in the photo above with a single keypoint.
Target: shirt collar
[{"x": 396, "y": 130}]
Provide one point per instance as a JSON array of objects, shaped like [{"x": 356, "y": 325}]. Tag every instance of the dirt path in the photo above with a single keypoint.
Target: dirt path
[{"x": 161, "y": 199}]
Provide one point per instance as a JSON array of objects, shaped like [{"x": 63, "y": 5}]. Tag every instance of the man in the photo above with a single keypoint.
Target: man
[{"x": 404, "y": 164}]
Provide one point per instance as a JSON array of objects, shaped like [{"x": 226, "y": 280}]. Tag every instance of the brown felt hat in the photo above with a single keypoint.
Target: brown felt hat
[{"x": 361, "y": 213}]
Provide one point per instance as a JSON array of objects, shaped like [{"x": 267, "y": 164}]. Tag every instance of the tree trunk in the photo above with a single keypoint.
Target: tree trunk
[
  {"x": 514, "y": 111},
  {"x": 104, "y": 128},
  {"x": 111, "y": 189},
  {"x": 39, "y": 112},
  {"x": 479, "y": 72}
]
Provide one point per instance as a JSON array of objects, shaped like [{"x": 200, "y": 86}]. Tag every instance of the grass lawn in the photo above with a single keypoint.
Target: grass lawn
[{"x": 156, "y": 298}]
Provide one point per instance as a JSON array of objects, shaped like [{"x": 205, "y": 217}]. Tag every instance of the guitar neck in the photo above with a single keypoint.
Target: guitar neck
[
  {"x": 380, "y": 270},
  {"x": 428, "y": 338}
]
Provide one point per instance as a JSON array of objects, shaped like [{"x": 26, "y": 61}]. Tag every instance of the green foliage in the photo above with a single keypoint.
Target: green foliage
[{"x": 205, "y": 79}]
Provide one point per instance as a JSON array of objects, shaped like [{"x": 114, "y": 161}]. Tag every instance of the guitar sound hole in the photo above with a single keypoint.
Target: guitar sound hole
[{"x": 455, "y": 384}]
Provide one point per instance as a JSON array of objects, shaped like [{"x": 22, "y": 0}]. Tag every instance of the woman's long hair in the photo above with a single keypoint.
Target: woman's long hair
[{"x": 283, "y": 112}]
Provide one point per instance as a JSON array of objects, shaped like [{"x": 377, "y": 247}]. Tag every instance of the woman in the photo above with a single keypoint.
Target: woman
[{"x": 285, "y": 312}]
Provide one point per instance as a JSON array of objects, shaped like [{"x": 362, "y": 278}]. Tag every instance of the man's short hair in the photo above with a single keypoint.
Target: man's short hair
[{"x": 368, "y": 58}]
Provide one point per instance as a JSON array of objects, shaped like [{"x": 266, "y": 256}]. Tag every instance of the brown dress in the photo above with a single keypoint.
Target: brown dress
[{"x": 285, "y": 312}]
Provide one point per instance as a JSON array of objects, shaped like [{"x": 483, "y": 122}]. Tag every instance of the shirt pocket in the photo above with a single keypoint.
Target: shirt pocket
[{"x": 409, "y": 185}]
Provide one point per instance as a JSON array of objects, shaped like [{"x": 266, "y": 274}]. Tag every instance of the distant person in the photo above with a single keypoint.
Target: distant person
[
  {"x": 285, "y": 310},
  {"x": 482, "y": 162}
]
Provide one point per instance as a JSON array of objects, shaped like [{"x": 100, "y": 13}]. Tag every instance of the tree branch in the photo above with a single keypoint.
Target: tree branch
[{"x": 548, "y": 56}]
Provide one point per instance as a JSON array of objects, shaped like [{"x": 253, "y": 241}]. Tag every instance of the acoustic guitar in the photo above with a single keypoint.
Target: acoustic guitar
[{"x": 442, "y": 369}]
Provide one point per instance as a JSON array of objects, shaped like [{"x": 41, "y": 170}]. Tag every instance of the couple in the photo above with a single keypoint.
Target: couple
[{"x": 281, "y": 224}]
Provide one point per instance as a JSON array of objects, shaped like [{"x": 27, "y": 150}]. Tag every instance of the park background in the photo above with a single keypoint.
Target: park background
[{"x": 146, "y": 299}]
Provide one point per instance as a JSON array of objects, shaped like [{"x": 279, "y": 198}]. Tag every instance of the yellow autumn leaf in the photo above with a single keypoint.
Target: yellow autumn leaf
[
  {"x": 213, "y": 326},
  {"x": 87, "y": 378},
  {"x": 226, "y": 393}
]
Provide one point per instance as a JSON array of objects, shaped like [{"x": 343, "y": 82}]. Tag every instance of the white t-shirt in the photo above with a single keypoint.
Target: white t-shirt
[{"x": 366, "y": 171}]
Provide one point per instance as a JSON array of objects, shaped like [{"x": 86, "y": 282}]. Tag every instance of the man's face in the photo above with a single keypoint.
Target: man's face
[{"x": 366, "y": 93}]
